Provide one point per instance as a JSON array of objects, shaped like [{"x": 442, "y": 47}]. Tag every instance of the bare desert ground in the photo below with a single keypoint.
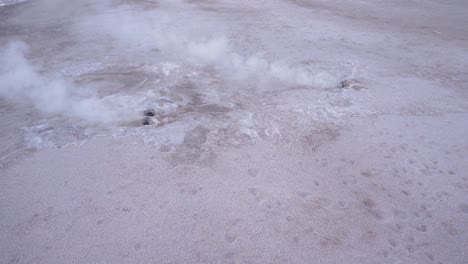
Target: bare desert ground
[{"x": 234, "y": 131}]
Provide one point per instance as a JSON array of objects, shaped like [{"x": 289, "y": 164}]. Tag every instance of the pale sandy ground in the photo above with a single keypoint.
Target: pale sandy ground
[{"x": 242, "y": 171}]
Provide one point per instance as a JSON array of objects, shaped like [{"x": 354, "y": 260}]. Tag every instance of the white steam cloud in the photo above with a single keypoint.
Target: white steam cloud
[
  {"x": 138, "y": 33},
  {"x": 217, "y": 52},
  {"x": 143, "y": 31},
  {"x": 19, "y": 80}
]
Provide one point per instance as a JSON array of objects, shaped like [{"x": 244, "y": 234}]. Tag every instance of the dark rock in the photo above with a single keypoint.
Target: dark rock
[
  {"x": 147, "y": 121},
  {"x": 352, "y": 84},
  {"x": 149, "y": 112}
]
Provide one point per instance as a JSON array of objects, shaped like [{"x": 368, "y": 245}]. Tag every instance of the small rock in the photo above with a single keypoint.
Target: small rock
[
  {"x": 352, "y": 84},
  {"x": 147, "y": 121},
  {"x": 149, "y": 112}
]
